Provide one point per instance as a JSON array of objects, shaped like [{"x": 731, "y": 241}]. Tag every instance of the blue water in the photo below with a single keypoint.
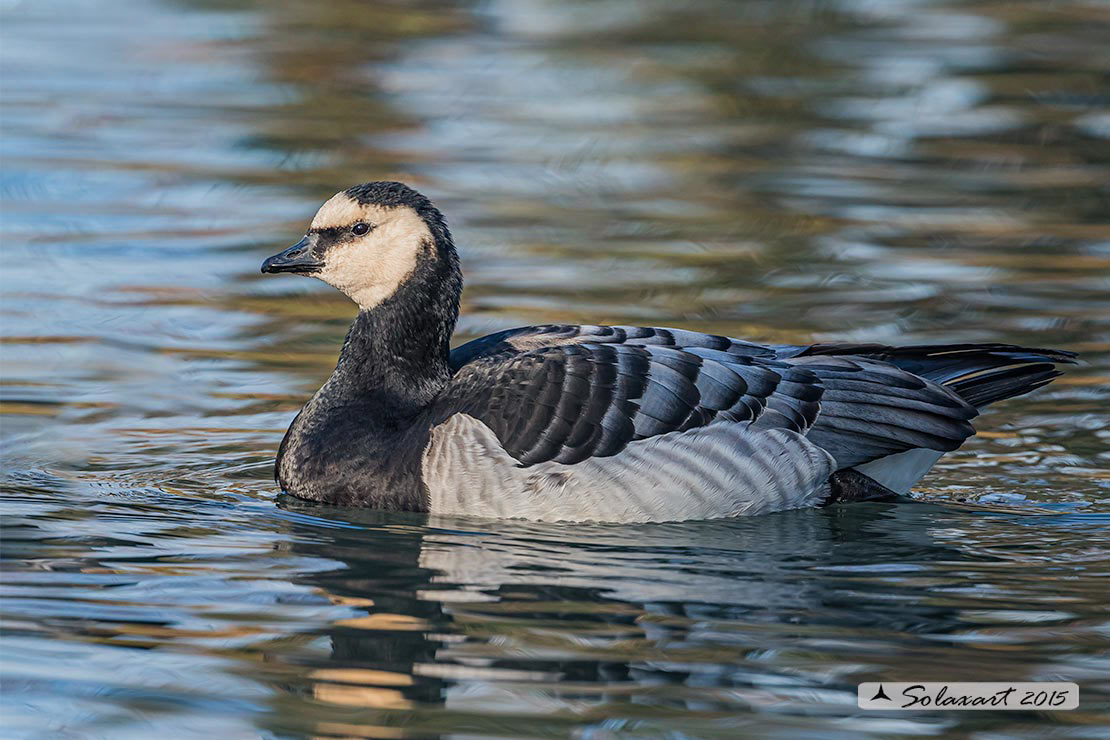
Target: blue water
[{"x": 781, "y": 171}]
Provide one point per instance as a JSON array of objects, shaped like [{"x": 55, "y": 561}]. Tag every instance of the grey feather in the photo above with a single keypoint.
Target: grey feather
[{"x": 716, "y": 471}]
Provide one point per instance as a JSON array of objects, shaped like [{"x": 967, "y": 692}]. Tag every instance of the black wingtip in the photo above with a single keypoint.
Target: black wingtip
[
  {"x": 980, "y": 373},
  {"x": 987, "y": 388}
]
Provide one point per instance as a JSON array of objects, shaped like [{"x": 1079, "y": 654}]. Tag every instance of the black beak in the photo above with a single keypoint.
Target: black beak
[{"x": 298, "y": 258}]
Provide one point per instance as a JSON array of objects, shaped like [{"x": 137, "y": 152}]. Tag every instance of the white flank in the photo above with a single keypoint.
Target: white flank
[{"x": 712, "y": 472}]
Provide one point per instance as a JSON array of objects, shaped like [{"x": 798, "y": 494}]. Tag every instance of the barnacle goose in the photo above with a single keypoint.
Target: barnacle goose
[{"x": 601, "y": 423}]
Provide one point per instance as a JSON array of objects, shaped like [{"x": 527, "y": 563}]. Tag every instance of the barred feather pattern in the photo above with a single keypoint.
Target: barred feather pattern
[
  {"x": 571, "y": 402},
  {"x": 620, "y": 408},
  {"x": 576, "y": 401}
]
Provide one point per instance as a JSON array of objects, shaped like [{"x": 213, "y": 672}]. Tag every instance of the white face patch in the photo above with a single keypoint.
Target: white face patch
[
  {"x": 339, "y": 210},
  {"x": 370, "y": 268}
]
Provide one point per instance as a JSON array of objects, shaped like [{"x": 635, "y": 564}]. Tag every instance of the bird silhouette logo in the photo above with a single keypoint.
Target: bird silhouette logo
[{"x": 880, "y": 694}]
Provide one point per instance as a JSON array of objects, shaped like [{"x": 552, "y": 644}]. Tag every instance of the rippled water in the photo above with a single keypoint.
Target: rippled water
[{"x": 787, "y": 171}]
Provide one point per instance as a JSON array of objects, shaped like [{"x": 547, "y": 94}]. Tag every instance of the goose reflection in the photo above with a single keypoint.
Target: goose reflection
[{"x": 491, "y": 625}]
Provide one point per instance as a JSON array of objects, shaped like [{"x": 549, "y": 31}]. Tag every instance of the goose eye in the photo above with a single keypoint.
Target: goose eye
[{"x": 360, "y": 228}]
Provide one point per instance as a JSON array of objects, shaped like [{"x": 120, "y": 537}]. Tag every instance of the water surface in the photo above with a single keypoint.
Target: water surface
[{"x": 780, "y": 171}]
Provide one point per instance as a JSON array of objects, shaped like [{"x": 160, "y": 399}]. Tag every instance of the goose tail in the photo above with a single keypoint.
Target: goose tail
[{"x": 981, "y": 374}]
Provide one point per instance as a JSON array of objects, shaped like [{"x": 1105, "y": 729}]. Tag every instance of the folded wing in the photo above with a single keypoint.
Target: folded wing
[{"x": 569, "y": 393}]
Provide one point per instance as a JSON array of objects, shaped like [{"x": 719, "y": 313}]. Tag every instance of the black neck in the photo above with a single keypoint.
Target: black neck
[{"x": 395, "y": 357}]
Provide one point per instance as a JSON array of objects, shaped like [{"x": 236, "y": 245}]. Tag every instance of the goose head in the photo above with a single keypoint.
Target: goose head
[{"x": 368, "y": 241}]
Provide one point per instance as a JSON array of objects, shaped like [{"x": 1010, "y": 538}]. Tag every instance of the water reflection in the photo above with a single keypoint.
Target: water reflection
[
  {"x": 488, "y": 626},
  {"x": 782, "y": 171}
]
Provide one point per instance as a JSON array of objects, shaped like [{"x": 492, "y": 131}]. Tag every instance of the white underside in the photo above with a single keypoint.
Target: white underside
[
  {"x": 902, "y": 471},
  {"x": 721, "y": 470}
]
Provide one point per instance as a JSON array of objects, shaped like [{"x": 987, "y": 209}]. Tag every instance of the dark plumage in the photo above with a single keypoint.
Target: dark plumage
[{"x": 602, "y": 422}]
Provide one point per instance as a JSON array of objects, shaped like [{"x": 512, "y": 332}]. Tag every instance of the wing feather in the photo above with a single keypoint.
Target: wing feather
[
  {"x": 572, "y": 401},
  {"x": 568, "y": 393}
]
